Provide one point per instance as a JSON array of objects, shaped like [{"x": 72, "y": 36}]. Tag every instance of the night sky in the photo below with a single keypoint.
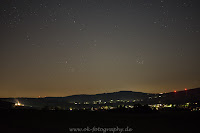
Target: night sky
[{"x": 67, "y": 47}]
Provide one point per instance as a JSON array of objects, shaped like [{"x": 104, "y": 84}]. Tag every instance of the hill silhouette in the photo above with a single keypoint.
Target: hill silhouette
[{"x": 179, "y": 97}]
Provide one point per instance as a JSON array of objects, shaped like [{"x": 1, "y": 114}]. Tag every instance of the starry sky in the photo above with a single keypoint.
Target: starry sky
[{"x": 68, "y": 47}]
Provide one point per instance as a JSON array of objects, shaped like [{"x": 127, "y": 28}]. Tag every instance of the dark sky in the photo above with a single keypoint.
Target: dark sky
[{"x": 67, "y": 47}]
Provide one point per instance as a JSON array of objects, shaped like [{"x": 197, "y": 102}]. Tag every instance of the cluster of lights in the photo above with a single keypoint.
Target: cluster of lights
[{"x": 19, "y": 104}]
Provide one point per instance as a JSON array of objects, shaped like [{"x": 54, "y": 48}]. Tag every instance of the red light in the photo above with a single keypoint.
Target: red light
[
  {"x": 175, "y": 91},
  {"x": 185, "y": 89}
]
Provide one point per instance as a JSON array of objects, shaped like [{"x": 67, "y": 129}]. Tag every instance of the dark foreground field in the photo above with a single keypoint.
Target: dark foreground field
[{"x": 61, "y": 121}]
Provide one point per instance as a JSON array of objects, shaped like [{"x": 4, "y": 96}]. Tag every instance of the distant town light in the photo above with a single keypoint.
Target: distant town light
[
  {"x": 175, "y": 91},
  {"x": 19, "y": 104},
  {"x": 185, "y": 89}
]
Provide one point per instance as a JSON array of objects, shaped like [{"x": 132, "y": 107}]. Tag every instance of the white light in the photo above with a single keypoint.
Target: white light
[{"x": 19, "y": 104}]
